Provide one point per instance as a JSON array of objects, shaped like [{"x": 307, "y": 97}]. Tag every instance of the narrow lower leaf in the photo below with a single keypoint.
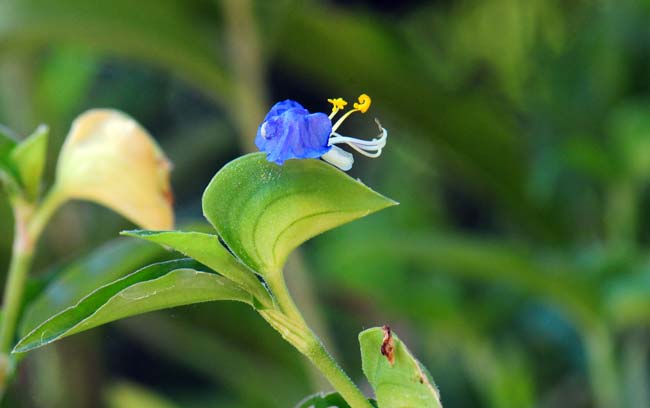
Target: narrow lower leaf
[
  {"x": 399, "y": 380},
  {"x": 207, "y": 249},
  {"x": 74, "y": 281},
  {"x": 158, "y": 286},
  {"x": 263, "y": 211}
]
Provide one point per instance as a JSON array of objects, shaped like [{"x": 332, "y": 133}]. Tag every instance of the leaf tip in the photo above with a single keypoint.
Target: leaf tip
[
  {"x": 391, "y": 202},
  {"x": 19, "y": 350},
  {"x": 42, "y": 129},
  {"x": 131, "y": 233},
  {"x": 21, "y": 347}
]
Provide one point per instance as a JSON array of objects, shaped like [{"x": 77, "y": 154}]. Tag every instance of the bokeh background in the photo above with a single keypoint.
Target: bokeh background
[{"x": 516, "y": 267}]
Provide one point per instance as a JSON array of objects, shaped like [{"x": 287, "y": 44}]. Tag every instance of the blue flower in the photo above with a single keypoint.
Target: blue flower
[{"x": 289, "y": 131}]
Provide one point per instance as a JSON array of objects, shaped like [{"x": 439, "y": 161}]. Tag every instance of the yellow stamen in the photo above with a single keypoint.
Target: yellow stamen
[
  {"x": 338, "y": 103},
  {"x": 364, "y": 103},
  {"x": 362, "y": 106}
]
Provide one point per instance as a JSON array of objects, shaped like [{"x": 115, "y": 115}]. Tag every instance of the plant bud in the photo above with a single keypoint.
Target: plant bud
[{"x": 110, "y": 159}]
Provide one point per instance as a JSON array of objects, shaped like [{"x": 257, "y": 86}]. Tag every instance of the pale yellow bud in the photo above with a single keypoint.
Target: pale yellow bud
[{"x": 110, "y": 159}]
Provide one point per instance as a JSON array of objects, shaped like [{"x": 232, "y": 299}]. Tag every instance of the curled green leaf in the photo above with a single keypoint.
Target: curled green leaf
[
  {"x": 263, "y": 211},
  {"x": 109, "y": 262}
]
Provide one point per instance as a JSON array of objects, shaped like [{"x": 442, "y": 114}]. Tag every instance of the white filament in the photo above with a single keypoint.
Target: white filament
[{"x": 369, "y": 148}]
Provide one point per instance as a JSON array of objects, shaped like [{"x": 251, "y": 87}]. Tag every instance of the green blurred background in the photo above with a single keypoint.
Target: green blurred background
[{"x": 516, "y": 267}]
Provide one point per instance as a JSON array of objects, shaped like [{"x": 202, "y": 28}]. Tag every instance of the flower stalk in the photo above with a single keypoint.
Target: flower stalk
[{"x": 291, "y": 325}]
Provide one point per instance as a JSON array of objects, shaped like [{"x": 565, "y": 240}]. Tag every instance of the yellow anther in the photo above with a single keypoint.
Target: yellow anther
[
  {"x": 364, "y": 103},
  {"x": 362, "y": 106},
  {"x": 338, "y": 103}
]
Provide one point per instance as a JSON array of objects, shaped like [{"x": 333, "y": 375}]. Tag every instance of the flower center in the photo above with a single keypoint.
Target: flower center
[{"x": 370, "y": 148}]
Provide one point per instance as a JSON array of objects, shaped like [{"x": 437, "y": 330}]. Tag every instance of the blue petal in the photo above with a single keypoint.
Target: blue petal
[
  {"x": 281, "y": 107},
  {"x": 289, "y": 131}
]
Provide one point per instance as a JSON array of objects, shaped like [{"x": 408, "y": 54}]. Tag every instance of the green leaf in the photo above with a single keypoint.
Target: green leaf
[
  {"x": 29, "y": 160},
  {"x": 263, "y": 211},
  {"x": 326, "y": 400},
  {"x": 404, "y": 383},
  {"x": 207, "y": 249},
  {"x": 7, "y": 145},
  {"x": 74, "y": 281},
  {"x": 158, "y": 286}
]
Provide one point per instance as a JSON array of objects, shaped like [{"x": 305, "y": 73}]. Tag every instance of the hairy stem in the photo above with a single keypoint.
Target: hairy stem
[
  {"x": 283, "y": 298},
  {"x": 288, "y": 321},
  {"x": 336, "y": 376}
]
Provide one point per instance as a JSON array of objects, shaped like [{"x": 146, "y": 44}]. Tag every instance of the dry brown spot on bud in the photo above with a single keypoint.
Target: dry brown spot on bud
[
  {"x": 387, "y": 346},
  {"x": 169, "y": 197}
]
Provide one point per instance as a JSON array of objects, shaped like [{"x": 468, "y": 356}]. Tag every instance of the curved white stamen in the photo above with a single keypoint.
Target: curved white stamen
[
  {"x": 370, "y": 148},
  {"x": 339, "y": 158}
]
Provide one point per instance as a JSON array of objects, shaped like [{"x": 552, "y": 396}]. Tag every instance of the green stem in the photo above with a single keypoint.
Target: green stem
[
  {"x": 23, "y": 251},
  {"x": 283, "y": 298},
  {"x": 29, "y": 225},
  {"x": 336, "y": 376},
  {"x": 21, "y": 258},
  {"x": 291, "y": 325},
  {"x": 54, "y": 199},
  {"x": 300, "y": 284},
  {"x": 20, "y": 263}
]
